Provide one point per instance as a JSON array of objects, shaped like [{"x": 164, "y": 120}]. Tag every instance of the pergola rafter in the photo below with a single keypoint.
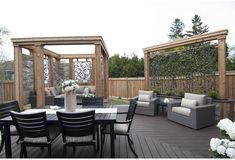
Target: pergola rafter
[{"x": 36, "y": 47}]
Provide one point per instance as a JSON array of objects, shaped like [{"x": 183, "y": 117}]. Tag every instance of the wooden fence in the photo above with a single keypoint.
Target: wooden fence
[
  {"x": 118, "y": 87},
  {"x": 128, "y": 87},
  {"x": 7, "y": 89}
]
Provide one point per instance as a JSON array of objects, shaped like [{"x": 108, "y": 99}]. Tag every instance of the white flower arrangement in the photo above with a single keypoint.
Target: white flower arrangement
[
  {"x": 69, "y": 85},
  {"x": 227, "y": 127},
  {"x": 224, "y": 148}
]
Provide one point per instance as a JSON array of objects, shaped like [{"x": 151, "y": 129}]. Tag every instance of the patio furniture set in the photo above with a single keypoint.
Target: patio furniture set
[
  {"x": 194, "y": 110},
  {"x": 40, "y": 127}
]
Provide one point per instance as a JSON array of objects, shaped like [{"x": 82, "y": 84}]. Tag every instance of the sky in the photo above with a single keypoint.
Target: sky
[{"x": 127, "y": 26}]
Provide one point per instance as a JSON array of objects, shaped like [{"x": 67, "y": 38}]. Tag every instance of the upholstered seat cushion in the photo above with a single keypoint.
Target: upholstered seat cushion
[
  {"x": 35, "y": 140},
  {"x": 181, "y": 110},
  {"x": 118, "y": 128},
  {"x": 13, "y": 130},
  {"x": 88, "y": 138},
  {"x": 143, "y": 104},
  {"x": 201, "y": 99}
]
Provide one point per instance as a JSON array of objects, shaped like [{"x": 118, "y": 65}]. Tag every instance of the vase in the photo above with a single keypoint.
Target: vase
[{"x": 70, "y": 101}]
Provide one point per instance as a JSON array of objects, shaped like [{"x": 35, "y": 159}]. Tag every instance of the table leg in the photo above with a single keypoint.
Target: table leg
[
  {"x": 7, "y": 141},
  {"x": 112, "y": 141}
]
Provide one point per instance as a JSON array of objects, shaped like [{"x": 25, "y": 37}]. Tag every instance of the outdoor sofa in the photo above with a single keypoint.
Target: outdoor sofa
[{"x": 194, "y": 110}]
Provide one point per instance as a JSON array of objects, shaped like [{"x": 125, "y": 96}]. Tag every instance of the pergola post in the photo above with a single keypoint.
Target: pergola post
[
  {"x": 71, "y": 69},
  {"x": 18, "y": 75},
  {"x": 222, "y": 74},
  {"x": 146, "y": 69},
  {"x": 39, "y": 75},
  {"x": 106, "y": 78},
  {"x": 97, "y": 68},
  {"x": 51, "y": 75},
  {"x": 93, "y": 70}
]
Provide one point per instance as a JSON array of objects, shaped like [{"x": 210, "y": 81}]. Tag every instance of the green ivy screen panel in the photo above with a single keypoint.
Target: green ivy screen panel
[{"x": 184, "y": 69}]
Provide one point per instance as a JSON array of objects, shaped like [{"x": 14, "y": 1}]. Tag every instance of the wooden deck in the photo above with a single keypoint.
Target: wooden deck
[{"x": 154, "y": 137}]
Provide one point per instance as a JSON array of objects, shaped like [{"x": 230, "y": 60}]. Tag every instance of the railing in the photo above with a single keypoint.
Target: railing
[{"x": 7, "y": 91}]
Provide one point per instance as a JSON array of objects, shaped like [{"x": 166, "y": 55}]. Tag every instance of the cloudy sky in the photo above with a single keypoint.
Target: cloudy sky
[{"x": 127, "y": 26}]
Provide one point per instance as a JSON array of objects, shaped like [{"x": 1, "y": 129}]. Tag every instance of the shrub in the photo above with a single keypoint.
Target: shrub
[{"x": 213, "y": 94}]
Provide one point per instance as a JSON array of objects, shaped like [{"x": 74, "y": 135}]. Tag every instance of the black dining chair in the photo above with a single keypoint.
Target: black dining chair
[
  {"x": 33, "y": 131},
  {"x": 5, "y": 109},
  {"x": 121, "y": 127},
  {"x": 78, "y": 129},
  {"x": 95, "y": 102}
]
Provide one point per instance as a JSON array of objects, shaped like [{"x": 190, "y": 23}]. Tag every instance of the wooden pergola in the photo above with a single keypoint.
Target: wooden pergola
[
  {"x": 220, "y": 36},
  {"x": 36, "y": 48}
]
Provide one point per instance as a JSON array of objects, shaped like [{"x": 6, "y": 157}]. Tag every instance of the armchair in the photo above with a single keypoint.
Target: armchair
[
  {"x": 194, "y": 110},
  {"x": 146, "y": 103}
]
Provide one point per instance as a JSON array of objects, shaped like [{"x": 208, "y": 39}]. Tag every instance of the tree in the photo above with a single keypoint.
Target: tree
[
  {"x": 4, "y": 32},
  {"x": 123, "y": 66},
  {"x": 198, "y": 27},
  {"x": 176, "y": 30}
]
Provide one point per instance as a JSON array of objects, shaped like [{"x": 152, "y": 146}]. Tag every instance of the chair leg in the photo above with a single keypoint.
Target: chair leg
[
  {"x": 102, "y": 144},
  {"x": 49, "y": 151},
  {"x": 94, "y": 150},
  {"x": 64, "y": 150},
  {"x": 129, "y": 142},
  {"x": 25, "y": 151},
  {"x": 74, "y": 148},
  {"x": 2, "y": 142},
  {"x": 98, "y": 137},
  {"x": 21, "y": 151}
]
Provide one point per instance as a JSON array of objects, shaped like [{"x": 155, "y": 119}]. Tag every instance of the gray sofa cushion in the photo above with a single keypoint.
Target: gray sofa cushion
[
  {"x": 201, "y": 99},
  {"x": 182, "y": 110}
]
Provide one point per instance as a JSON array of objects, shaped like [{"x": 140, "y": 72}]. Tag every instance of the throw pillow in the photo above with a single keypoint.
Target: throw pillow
[
  {"x": 144, "y": 98},
  {"x": 188, "y": 103},
  {"x": 86, "y": 91}
]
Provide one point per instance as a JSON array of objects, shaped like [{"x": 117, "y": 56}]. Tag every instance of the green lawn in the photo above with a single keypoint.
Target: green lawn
[{"x": 118, "y": 101}]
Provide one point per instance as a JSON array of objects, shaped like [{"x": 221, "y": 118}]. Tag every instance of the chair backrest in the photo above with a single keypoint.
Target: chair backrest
[
  {"x": 131, "y": 110},
  {"x": 6, "y": 107},
  {"x": 92, "y": 100},
  {"x": 76, "y": 124},
  {"x": 31, "y": 125}
]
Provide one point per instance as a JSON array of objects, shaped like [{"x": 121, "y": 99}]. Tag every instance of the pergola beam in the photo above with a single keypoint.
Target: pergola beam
[
  {"x": 187, "y": 41},
  {"x": 80, "y": 56}
]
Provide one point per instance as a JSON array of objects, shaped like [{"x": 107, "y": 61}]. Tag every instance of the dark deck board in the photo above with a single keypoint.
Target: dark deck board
[{"x": 153, "y": 137}]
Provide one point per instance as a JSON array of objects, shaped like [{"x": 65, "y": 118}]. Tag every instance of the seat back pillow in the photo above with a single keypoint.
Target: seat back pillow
[
  {"x": 188, "y": 103},
  {"x": 144, "y": 98},
  {"x": 150, "y": 93},
  {"x": 200, "y": 98}
]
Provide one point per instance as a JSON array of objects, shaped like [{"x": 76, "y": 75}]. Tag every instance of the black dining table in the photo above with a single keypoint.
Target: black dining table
[{"x": 106, "y": 117}]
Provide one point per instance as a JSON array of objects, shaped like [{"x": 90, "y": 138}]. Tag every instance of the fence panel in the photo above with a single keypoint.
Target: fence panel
[
  {"x": 122, "y": 87},
  {"x": 7, "y": 91},
  {"x": 128, "y": 87}
]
